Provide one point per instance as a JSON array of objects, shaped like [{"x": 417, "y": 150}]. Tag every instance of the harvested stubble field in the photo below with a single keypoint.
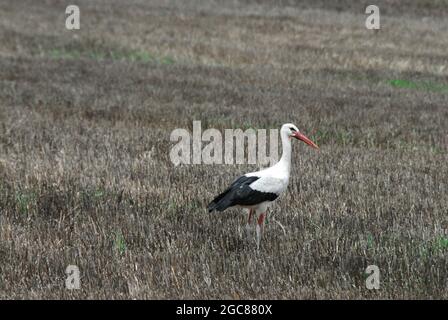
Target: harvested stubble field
[{"x": 85, "y": 123}]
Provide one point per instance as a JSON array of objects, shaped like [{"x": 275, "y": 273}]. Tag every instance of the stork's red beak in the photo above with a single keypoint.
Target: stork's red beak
[{"x": 301, "y": 136}]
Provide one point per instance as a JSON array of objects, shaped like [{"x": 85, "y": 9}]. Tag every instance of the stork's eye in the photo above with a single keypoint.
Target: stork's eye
[{"x": 292, "y": 129}]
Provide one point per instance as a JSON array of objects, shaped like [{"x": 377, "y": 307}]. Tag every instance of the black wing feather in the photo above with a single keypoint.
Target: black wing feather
[{"x": 240, "y": 193}]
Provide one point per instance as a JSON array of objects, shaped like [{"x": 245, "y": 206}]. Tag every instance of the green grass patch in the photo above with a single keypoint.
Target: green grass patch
[
  {"x": 434, "y": 246},
  {"x": 441, "y": 244},
  {"x": 418, "y": 85},
  {"x": 370, "y": 241},
  {"x": 94, "y": 193},
  {"x": 119, "y": 243},
  {"x": 24, "y": 200}
]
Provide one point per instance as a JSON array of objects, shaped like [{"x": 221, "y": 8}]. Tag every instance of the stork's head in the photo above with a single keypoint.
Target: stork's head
[{"x": 292, "y": 131}]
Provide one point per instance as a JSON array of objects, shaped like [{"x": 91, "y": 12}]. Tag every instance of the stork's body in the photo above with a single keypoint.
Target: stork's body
[{"x": 257, "y": 190}]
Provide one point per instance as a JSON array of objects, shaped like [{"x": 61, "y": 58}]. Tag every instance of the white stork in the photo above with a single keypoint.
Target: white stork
[{"x": 256, "y": 190}]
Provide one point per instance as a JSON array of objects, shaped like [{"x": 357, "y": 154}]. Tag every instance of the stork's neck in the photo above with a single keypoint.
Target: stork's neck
[{"x": 285, "y": 160}]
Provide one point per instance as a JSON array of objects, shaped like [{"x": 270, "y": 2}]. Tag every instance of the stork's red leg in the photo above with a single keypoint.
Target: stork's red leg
[{"x": 261, "y": 219}]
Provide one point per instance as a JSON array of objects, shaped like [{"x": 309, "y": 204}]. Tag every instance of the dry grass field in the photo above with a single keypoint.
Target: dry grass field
[{"x": 85, "y": 173}]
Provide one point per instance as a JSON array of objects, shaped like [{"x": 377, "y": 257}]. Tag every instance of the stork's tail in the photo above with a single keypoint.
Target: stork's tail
[{"x": 221, "y": 202}]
